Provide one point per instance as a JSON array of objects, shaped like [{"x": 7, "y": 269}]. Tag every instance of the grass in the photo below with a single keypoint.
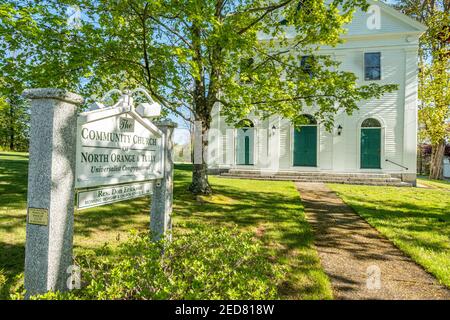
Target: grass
[
  {"x": 437, "y": 184},
  {"x": 13, "y": 187},
  {"x": 416, "y": 220},
  {"x": 273, "y": 212}
]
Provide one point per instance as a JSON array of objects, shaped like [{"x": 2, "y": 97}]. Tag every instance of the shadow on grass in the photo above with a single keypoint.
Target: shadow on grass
[
  {"x": 408, "y": 217},
  {"x": 12, "y": 259},
  {"x": 114, "y": 217},
  {"x": 253, "y": 208},
  {"x": 13, "y": 179},
  {"x": 275, "y": 217},
  {"x": 22, "y": 155},
  {"x": 123, "y": 216}
]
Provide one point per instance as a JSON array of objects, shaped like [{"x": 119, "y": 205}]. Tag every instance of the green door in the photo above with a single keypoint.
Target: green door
[
  {"x": 370, "y": 148},
  {"x": 305, "y": 146},
  {"x": 247, "y": 150},
  {"x": 244, "y": 146}
]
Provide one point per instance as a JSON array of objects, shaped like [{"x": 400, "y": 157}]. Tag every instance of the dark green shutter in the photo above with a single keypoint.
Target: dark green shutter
[
  {"x": 305, "y": 146},
  {"x": 370, "y": 148},
  {"x": 247, "y": 150}
]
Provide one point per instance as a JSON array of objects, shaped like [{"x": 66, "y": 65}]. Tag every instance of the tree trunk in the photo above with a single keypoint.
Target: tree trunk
[
  {"x": 203, "y": 102},
  {"x": 11, "y": 128},
  {"x": 420, "y": 160},
  {"x": 11, "y": 140},
  {"x": 437, "y": 157},
  {"x": 200, "y": 183}
]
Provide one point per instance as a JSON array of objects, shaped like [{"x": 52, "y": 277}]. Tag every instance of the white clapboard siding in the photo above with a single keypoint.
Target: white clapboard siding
[{"x": 397, "y": 41}]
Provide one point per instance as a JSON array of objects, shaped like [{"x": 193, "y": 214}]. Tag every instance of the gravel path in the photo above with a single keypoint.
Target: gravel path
[{"x": 353, "y": 253}]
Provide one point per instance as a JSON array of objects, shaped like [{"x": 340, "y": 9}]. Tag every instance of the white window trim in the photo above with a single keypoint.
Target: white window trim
[{"x": 364, "y": 65}]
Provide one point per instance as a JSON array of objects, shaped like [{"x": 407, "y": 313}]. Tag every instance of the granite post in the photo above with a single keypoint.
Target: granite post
[
  {"x": 51, "y": 181},
  {"x": 162, "y": 198}
]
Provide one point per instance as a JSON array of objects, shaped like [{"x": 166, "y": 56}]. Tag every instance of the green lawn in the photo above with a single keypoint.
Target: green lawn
[
  {"x": 272, "y": 211},
  {"x": 416, "y": 220},
  {"x": 438, "y": 184}
]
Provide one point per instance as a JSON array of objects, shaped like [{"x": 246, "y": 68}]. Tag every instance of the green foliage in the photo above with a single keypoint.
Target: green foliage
[
  {"x": 272, "y": 212},
  {"x": 32, "y": 54},
  {"x": 434, "y": 79},
  {"x": 228, "y": 52},
  {"x": 207, "y": 263},
  {"x": 2, "y": 278},
  {"x": 190, "y": 54},
  {"x": 14, "y": 123},
  {"x": 434, "y": 93},
  {"x": 39, "y": 47},
  {"x": 16, "y": 290}
]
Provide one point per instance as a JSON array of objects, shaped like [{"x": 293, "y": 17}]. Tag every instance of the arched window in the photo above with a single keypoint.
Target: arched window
[
  {"x": 371, "y": 123},
  {"x": 245, "y": 124},
  {"x": 305, "y": 120}
]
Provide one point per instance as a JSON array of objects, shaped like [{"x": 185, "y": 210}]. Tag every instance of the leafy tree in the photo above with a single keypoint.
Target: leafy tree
[
  {"x": 36, "y": 50},
  {"x": 194, "y": 54},
  {"x": 434, "y": 78},
  {"x": 14, "y": 114},
  {"x": 14, "y": 118},
  {"x": 434, "y": 94}
]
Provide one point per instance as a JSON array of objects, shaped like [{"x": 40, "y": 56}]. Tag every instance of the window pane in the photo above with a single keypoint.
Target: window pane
[
  {"x": 373, "y": 73},
  {"x": 371, "y": 123},
  {"x": 372, "y": 66},
  {"x": 245, "y": 123},
  {"x": 372, "y": 59}
]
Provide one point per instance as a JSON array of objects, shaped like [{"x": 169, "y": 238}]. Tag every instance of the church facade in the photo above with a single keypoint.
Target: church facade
[{"x": 380, "y": 137}]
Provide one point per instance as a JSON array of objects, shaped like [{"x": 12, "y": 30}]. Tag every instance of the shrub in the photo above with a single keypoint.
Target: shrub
[
  {"x": 202, "y": 264},
  {"x": 2, "y": 279}
]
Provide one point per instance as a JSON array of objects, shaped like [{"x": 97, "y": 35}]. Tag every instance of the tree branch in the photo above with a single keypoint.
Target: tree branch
[
  {"x": 166, "y": 27},
  {"x": 268, "y": 10}
]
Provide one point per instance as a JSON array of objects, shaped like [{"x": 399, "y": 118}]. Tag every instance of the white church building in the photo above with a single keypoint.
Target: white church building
[{"x": 377, "y": 143}]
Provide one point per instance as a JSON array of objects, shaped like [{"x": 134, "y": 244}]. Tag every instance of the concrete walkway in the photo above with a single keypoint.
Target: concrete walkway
[{"x": 361, "y": 263}]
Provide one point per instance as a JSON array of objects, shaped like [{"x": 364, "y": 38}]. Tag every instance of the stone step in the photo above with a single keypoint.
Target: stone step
[
  {"x": 370, "y": 181},
  {"x": 315, "y": 176},
  {"x": 323, "y": 178},
  {"x": 308, "y": 174}
]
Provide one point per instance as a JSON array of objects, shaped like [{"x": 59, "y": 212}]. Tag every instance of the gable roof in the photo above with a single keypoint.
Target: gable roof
[
  {"x": 397, "y": 14},
  {"x": 387, "y": 21},
  {"x": 393, "y": 22}
]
